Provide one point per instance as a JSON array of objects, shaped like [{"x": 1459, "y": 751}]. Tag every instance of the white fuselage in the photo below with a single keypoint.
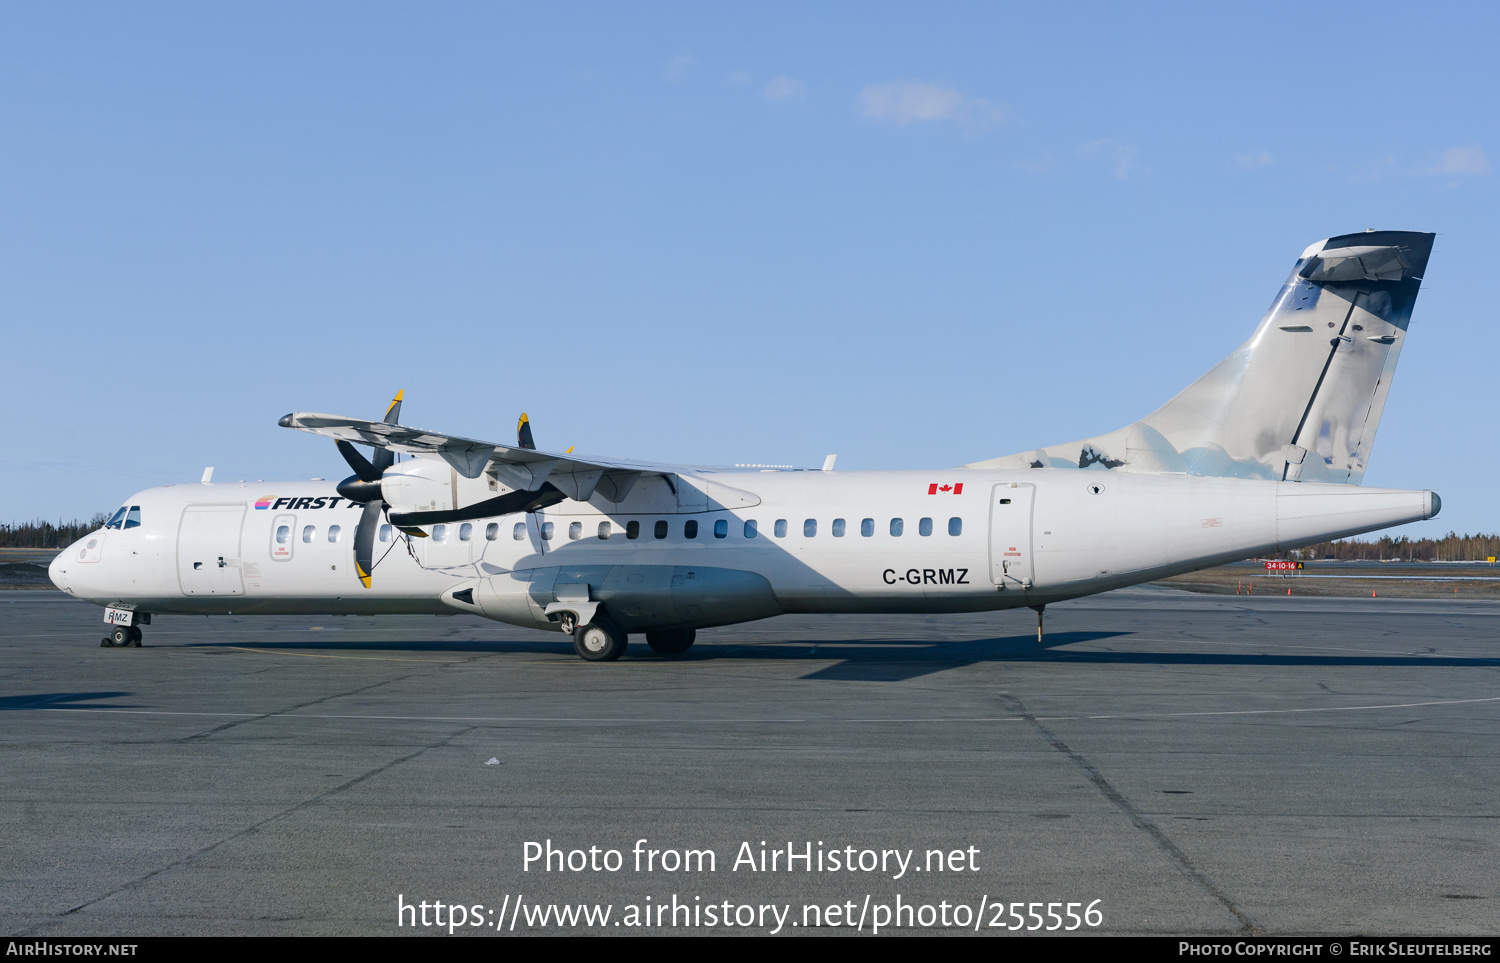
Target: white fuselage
[{"x": 821, "y": 542}]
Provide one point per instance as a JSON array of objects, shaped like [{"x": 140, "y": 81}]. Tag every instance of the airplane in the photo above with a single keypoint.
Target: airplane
[{"x": 1263, "y": 453}]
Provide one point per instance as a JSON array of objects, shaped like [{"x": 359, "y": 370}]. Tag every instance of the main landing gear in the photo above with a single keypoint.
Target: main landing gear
[
  {"x": 599, "y": 641},
  {"x": 122, "y": 637},
  {"x": 670, "y": 641}
]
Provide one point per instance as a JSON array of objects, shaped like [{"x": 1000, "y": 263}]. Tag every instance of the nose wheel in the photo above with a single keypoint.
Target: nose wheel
[{"x": 122, "y": 637}]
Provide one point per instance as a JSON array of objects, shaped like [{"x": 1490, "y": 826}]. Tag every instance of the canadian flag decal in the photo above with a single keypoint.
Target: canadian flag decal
[{"x": 945, "y": 489}]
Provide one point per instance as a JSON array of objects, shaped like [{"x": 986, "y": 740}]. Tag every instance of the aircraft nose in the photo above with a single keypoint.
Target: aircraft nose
[{"x": 57, "y": 572}]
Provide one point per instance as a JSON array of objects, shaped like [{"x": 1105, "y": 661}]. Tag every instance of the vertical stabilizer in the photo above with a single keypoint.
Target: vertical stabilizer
[{"x": 1302, "y": 398}]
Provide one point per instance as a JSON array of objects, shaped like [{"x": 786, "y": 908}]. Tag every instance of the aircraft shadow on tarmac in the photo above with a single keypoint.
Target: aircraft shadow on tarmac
[
  {"x": 61, "y": 700},
  {"x": 878, "y": 662},
  {"x": 887, "y": 660}
]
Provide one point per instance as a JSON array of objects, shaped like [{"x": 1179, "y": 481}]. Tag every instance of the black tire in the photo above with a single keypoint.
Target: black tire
[
  {"x": 135, "y": 636},
  {"x": 105, "y": 643},
  {"x": 671, "y": 641},
  {"x": 120, "y": 636},
  {"x": 599, "y": 641}
]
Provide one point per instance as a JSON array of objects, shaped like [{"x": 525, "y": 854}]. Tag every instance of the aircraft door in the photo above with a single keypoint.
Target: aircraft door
[
  {"x": 208, "y": 550},
  {"x": 1010, "y": 535}
]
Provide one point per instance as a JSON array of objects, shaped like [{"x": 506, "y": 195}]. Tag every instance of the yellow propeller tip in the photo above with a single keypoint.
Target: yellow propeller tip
[
  {"x": 569, "y": 451},
  {"x": 400, "y": 393}
]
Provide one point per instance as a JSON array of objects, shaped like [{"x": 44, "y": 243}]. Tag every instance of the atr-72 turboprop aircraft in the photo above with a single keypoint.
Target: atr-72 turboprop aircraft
[{"x": 1265, "y": 452}]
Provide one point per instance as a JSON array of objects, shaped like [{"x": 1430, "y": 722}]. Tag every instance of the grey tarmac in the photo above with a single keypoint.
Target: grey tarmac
[{"x": 1200, "y": 764}]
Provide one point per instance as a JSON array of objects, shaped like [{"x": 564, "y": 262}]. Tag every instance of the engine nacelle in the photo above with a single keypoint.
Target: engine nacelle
[
  {"x": 426, "y": 485},
  {"x": 427, "y": 491},
  {"x": 636, "y": 597}
]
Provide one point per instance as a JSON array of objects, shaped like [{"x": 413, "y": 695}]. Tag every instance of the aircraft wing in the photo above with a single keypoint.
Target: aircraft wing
[{"x": 524, "y": 469}]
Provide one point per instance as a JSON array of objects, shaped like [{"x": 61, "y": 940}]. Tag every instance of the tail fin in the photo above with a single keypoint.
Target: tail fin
[{"x": 1302, "y": 398}]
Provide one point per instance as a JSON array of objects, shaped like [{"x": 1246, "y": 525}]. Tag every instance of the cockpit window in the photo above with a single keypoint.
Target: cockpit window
[
  {"x": 133, "y": 519},
  {"x": 116, "y": 519}
]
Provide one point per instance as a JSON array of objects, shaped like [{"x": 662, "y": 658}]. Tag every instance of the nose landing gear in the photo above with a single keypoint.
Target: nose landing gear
[{"x": 122, "y": 637}]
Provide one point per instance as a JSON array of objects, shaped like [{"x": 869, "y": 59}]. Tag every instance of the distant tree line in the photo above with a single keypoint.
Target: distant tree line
[
  {"x": 40, "y": 534},
  {"x": 1452, "y": 547}
]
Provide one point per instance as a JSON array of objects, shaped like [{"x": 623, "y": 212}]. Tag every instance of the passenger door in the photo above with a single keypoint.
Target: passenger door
[
  {"x": 208, "y": 550},
  {"x": 1010, "y": 534}
]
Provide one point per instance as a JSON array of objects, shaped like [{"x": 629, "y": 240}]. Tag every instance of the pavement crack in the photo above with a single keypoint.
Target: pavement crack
[
  {"x": 1137, "y": 818},
  {"x": 257, "y": 826},
  {"x": 199, "y": 736}
]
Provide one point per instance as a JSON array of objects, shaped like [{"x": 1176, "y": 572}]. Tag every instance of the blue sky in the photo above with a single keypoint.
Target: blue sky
[{"x": 916, "y": 236}]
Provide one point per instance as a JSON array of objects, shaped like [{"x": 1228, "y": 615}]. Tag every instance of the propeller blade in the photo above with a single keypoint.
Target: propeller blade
[
  {"x": 365, "y": 471},
  {"x": 384, "y": 457},
  {"x": 364, "y": 541},
  {"x": 523, "y": 433}
]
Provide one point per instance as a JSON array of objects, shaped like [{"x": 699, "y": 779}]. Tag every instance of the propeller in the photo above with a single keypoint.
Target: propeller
[{"x": 363, "y": 487}]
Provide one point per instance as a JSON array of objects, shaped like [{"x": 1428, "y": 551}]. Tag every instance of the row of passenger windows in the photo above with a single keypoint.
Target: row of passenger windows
[
  {"x": 309, "y": 533},
  {"x": 661, "y": 529}
]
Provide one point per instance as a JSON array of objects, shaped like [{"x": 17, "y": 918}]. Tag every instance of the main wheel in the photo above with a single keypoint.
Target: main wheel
[
  {"x": 671, "y": 641},
  {"x": 120, "y": 635},
  {"x": 599, "y": 641}
]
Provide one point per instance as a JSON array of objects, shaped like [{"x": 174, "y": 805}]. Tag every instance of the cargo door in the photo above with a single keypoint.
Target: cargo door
[
  {"x": 208, "y": 550},
  {"x": 1010, "y": 535}
]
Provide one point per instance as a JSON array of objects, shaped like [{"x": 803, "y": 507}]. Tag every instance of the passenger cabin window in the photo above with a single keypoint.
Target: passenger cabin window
[
  {"x": 955, "y": 526},
  {"x": 546, "y": 531},
  {"x": 385, "y": 533},
  {"x": 604, "y": 530},
  {"x": 632, "y": 529},
  {"x": 575, "y": 531},
  {"x": 133, "y": 519},
  {"x": 751, "y": 527},
  {"x": 440, "y": 533},
  {"x": 333, "y": 533},
  {"x": 838, "y": 528},
  {"x": 897, "y": 525},
  {"x": 867, "y": 527},
  {"x": 465, "y": 532},
  {"x": 661, "y": 529},
  {"x": 491, "y": 531},
  {"x": 519, "y": 532},
  {"x": 924, "y": 527},
  {"x": 810, "y": 528},
  {"x": 690, "y": 528},
  {"x": 721, "y": 528},
  {"x": 780, "y": 529},
  {"x": 117, "y": 519},
  {"x": 285, "y": 527},
  {"x": 308, "y": 531}
]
